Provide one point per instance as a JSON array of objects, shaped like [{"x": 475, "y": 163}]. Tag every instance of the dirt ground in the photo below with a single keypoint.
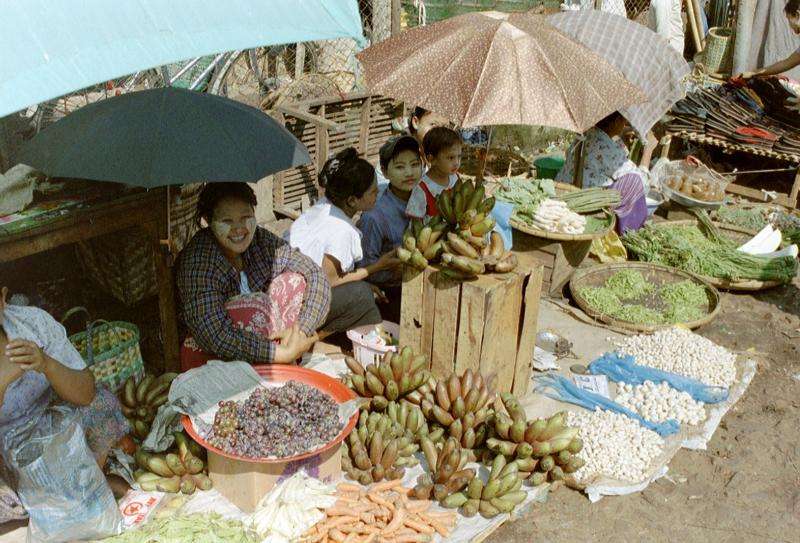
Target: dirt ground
[{"x": 745, "y": 487}]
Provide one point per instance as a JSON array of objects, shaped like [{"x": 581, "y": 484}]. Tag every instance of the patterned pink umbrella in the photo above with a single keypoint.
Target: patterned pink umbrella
[{"x": 496, "y": 68}]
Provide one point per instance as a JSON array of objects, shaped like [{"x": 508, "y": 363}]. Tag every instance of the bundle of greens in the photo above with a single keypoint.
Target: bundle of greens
[
  {"x": 749, "y": 218},
  {"x": 681, "y": 302},
  {"x": 704, "y": 251},
  {"x": 591, "y": 200},
  {"x": 525, "y": 194}
]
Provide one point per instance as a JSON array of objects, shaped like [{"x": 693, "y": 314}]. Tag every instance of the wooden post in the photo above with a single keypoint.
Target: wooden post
[
  {"x": 299, "y": 60},
  {"x": 396, "y": 10},
  {"x": 793, "y": 203},
  {"x": 527, "y": 334},
  {"x": 323, "y": 141},
  {"x": 363, "y": 133},
  {"x": 577, "y": 178},
  {"x": 693, "y": 27}
]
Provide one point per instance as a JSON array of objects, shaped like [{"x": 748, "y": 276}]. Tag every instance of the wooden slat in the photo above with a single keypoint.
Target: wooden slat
[
  {"x": 445, "y": 325},
  {"x": 501, "y": 331},
  {"x": 428, "y": 311},
  {"x": 472, "y": 320},
  {"x": 528, "y": 331},
  {"x": 411, "y": 310}
]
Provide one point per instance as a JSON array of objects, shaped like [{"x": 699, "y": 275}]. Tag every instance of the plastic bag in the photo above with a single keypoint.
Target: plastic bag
[
  {"x": 58, "y": 479},
  {"x": 625, "y": 369},
  {"x": 688, "y": 178},
  {"x": 609, "y": 248},
  {"x": 502, "y": 215},
  {"x": 562, "y": 389}
]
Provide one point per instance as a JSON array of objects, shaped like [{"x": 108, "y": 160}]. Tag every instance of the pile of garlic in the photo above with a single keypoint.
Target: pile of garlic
[
  {"x": 661, "y": 402},
  {"x": 680, "y": 351},
  {"x": 290, "y": 509},
  {"x": 555, "y": 216},
  {"x": 614, "y": 446}
]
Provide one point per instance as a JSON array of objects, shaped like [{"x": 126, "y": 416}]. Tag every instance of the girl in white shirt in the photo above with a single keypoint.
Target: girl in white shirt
[{"x": 327, "y": 234}]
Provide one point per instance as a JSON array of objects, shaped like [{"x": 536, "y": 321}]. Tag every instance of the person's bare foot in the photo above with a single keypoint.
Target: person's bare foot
[{"x": 119, "y": 486}]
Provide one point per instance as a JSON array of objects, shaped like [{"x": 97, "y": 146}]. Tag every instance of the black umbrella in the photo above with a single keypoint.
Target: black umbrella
[{"x": 165, "y": 136}]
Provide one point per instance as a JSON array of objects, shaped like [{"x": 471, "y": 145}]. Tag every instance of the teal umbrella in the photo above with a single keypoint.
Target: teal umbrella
[
  {"x": 54, "y": 47},
  {"x": 165, "y": 136}
]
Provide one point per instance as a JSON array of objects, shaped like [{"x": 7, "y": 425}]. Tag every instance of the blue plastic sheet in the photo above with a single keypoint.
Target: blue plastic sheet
[
  {"x": 625, "y": 369},
  {"x": 502, "y": 215},
  {"x": 562, "y": 389}
]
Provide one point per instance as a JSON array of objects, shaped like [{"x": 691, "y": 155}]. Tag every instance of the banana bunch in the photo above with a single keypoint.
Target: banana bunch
[
  {"x": 447, "y": 473},
  {"x": 377, "y": 449},
  {"x": 543, "y": 449},
  {"x": 460, "y": 405},
  {"x": 501, "y": 493},
  {"x": 410, "y": 421},
  {"x": 140, "y": 401},
  {"x": 466, "y": 255},
  {"x": 422, "y": 243},
  {"x": 397, "y": 375},
  {"x": 465, "y": 207},
  {"x": 179, "y": 471}
]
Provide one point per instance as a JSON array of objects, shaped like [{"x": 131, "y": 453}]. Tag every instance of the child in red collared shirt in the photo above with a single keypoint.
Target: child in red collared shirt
[{"x": 442, "y": 148}]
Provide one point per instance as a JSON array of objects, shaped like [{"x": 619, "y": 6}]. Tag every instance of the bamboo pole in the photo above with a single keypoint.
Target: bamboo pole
[
  {"x": 698, "y": 17},
  {"x": 741, "y": 45},
  {"x": 693, "y": 27}
]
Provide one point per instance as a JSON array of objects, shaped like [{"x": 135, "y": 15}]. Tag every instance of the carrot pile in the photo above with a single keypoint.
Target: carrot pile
[{"x": 382, "y": 513}]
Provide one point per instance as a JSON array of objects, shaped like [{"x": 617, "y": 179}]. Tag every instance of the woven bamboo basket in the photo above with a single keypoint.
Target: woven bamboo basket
[
  {"x": 123, "y": 265},
  {"x": 738, "y": 235},
  {"x": 657, "y": 275},
  {"x": 717, "y": 57},
  {"x": 110, "y": 349}
]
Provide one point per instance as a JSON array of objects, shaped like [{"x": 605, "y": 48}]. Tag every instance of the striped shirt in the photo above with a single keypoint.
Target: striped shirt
[{"x": 206, "y": 280}]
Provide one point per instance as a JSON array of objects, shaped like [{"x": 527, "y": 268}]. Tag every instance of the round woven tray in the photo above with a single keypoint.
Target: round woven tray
[
  {"x": 561, "y": 188},
  {"x": 736, "y": 234},
  {"x": 656, "y": 274}
]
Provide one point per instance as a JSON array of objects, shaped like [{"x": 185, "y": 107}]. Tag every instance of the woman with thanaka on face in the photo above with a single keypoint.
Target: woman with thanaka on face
[
  {"x": 327, "y": 234},
  {"x": 442, "y": 148},
  {"x": 232, "y": 256},
  {"x": 382, "y": 227}
]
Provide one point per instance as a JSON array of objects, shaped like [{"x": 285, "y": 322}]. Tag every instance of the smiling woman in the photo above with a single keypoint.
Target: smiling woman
[{"x": 232, "y": 266}]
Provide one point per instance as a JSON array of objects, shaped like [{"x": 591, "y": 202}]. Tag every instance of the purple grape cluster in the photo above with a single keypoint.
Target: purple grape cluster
[{"x": 276, "y": 422}]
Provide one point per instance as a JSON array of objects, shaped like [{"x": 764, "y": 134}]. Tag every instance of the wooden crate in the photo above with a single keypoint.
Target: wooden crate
[
  {"x": 487, "y": 325},
  {"x": 558, "y": 258}
]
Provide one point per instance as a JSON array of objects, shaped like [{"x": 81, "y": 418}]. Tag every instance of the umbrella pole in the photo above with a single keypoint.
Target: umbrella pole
[
  {"x": 168, "y": 242},
  {"x": 485, "y": 157},
  {"x": 577, "y": 177}
]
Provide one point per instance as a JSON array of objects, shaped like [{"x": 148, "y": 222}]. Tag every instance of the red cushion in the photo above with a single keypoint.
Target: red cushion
[{"x": 262, "y": 314}]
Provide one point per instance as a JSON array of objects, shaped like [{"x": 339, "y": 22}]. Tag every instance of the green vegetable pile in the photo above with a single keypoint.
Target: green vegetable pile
[
  {"x": 702, "y": 250},
  {"x": 591, "y": 200},
  {"x": 749, "y": 218},
  {"x": 673, "y": 303},
  {"x": 197, "y": 528}
]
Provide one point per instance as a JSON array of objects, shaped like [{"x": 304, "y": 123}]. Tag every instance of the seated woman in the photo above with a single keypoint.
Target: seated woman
[
  {"x": 39, "y": 366},
  {"x": 382, "y": 227},
  {"x": 245, "y": 294},
  {"x": 327, "y": 235},
  {"x": 603, "y": 154}
]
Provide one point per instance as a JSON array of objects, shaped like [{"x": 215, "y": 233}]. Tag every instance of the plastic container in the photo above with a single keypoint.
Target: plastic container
[
  {"x": 548, "y": 167},
  {"x": 654, "y": 200},
  {"x": 367, "y": 353},
  {"x": 244, "y": 481}
]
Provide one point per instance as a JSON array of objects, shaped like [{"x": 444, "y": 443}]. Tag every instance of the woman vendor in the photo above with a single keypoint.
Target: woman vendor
[
  {"x": 603, "y": 153},
  {"x": 39, "y": 366},
  {"x": 792, "y": 12},
  {"x": 326, "y": 233},
  {"x": 233, "y": 262}
]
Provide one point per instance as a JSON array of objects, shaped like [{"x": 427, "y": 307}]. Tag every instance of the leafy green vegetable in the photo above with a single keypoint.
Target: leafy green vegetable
[{"x": 197, "y": 528}]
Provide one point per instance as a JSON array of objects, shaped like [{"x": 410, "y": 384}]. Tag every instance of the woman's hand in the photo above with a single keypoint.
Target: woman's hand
[
  {"x": 27, "y": 355},
  {"x": 292, "y": 343},
  {"x": 388, "y": 261}
]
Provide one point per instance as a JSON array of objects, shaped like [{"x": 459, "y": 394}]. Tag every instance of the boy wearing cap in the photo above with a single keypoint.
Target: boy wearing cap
[{"x": 382, "y": 226}]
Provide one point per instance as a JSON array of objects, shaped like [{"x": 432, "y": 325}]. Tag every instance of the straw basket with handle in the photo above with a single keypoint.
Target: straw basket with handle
[
  {"x": 109, "y": 348},
  {"x": 717, "y": 57}
]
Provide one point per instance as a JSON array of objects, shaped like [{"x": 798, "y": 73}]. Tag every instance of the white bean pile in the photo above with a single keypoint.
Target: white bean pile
[
  {"x": 614, "y": 446},
  {"x": 680, "y": 351},
  {"x": 660, "y": 402}
]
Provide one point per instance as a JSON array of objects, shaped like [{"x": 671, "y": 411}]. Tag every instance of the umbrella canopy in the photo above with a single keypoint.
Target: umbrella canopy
[
  {"x": 165, "y": 136},
  {"x": 54, "y": 47},
  {"x": 645, "y": 58},
  {"x": 497, "y": 68}
]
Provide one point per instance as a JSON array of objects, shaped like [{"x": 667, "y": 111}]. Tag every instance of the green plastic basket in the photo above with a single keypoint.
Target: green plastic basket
[
  {"x": 110, "y": 349},
  {"x": 548, "y": 167}
]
